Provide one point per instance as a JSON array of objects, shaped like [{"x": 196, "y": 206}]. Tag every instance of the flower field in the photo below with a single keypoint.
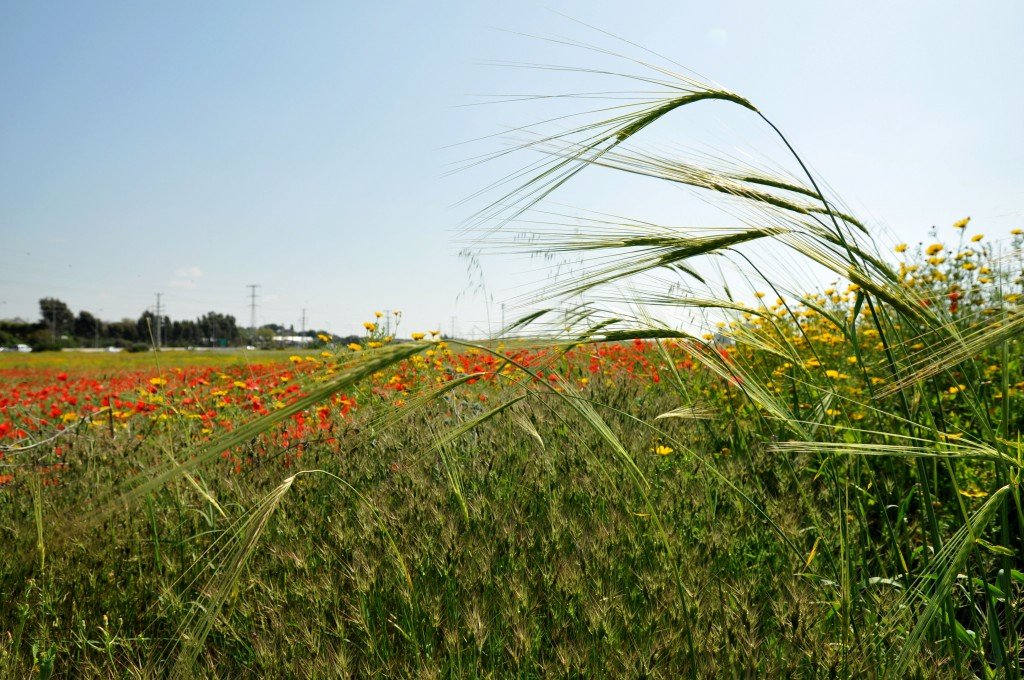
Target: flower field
[
  {"x": 468, "y": 519},
  {"x": 48, "y": 403}
]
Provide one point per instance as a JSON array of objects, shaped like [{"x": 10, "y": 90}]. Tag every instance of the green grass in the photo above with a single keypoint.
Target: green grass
[
  {"x": 545, "y": 571},
  {"x": 105, "y": 362}
]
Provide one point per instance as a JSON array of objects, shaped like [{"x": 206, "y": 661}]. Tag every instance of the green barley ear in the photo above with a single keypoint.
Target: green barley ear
[
  {"x": 199, "y": 622},
  {"x": 621, "y": 262},
  {"x": 937, "y": 582}
]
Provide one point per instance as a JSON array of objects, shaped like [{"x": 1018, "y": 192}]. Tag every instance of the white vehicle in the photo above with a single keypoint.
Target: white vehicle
[{"x": 24, "y": 348}]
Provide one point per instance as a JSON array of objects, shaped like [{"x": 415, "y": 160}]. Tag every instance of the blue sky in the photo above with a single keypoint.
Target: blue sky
[{"x": 193, "y": 148}]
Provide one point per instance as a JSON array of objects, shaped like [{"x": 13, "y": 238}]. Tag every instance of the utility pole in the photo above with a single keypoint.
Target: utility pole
[
  {"x": 303, "y": 333},
  {"x": 158, "y": 320},
  {"x": 252, "y": 311},
  {"x": 387, "y": 322}
]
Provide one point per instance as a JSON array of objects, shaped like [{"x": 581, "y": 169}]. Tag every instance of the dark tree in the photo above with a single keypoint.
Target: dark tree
[
  {"x": 148, "y": 328},
  {"x": 86, "y": 326},
  {"x": 56, "y": 315},
  {"x": 181, "y": 333},
  {"x": 125, "y": 330},
  {"x": 218, "y": 329}
]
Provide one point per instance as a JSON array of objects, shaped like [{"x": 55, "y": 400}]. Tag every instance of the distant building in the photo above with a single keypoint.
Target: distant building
[{"x": 297, "y": 340}]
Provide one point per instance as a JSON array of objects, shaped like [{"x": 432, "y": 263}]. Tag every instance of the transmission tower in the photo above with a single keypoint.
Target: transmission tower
[
  {"x": 252, "y": 311},
  {"x": 157, "y": 339}
]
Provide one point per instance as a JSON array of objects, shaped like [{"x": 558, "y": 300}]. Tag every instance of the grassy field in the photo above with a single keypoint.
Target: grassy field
[
  {"x": 108, "y": 362},
  {"x": 529, "y": 565}
]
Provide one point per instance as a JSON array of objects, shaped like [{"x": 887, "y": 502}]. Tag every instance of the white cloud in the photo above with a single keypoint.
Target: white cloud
[{"x": 192, "y": 272}]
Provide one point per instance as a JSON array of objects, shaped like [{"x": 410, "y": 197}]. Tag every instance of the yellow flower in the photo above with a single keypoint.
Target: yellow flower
[
  {"x": 370, "y": 326},
  {"x": 157, "y": 381},
  {"x": 295, "y": 359},
  {"x": 759, "y": 295},
  {"x": 1016, "y": 232},
  {"x": 933, "y": 249},
  {"x": 435, "y": 333},
  {"x": 977, "y": 237},
  {"x": 851, "y": 360},
  {"x": 378, "y": 314},
  {"x": 325, "y": 354},
  {"x": 973, "y": 492},
  {"x": 323, "y": 337},
  {"x": 901, "y": 248},
  {"x": 354, "y": 346},
  {"x": 936, "y": 261},
  {"x": 417, "y": 336},
  {"x": 662, "y": 450},
  {"x": 968, "y": 266},
  {"x": 373, "y": 345},
  {"x": 960, "y": 224}
]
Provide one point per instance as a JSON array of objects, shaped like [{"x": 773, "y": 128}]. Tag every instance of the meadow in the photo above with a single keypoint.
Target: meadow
[{"x": 800, "y": 483}]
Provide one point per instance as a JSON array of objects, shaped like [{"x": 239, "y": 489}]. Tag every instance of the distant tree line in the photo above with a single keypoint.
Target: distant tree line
[{"x": 59, "y": 327}]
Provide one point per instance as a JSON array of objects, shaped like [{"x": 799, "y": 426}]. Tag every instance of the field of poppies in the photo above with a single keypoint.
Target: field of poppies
[
  {"x": 625, "y": 500},
  {"x": 50, "y": 402}
]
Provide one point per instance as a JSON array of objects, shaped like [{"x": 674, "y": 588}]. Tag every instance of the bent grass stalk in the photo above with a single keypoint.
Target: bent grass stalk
[{"x": 893, "y": 309}]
